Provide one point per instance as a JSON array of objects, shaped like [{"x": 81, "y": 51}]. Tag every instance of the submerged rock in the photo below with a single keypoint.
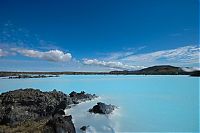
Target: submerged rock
[
  {"x": 102, "y": 108},
  {"x": 83, "y": 128}
]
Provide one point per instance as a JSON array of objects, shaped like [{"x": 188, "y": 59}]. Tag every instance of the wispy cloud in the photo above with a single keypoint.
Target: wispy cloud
[
  {"x": 114, "y": 56},
  {"x": 124, "y": 60},
  {"x": 176, "y": 34},
  {"x": 12, "y": 35},
  {"x": 182, "y": 55},
  {"x": 51, "y": 55},
  {"x": 117, "y": 55},
  {"x": 111, "y": 64}
]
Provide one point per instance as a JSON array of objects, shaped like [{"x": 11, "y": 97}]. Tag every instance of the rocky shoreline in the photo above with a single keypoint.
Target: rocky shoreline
[
  {"x": 25, "y": 76},
  {"x": 31, "y": 110},
  {"x": 153, "y": 70}
]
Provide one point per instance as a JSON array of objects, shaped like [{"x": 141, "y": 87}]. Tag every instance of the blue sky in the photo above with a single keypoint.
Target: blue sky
[{"x": 98, "y": 35}]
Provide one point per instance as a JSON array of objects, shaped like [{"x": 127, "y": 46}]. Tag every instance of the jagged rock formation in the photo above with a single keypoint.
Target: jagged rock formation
[{"x": 42, "y": 110}]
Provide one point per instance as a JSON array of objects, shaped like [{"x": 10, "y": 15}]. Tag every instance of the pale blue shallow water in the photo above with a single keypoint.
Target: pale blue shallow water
[{"x": 146, "y": 103}]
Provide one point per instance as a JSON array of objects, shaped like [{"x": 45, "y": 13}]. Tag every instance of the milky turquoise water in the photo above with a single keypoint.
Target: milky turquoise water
[{"x": 146, "y": 103}]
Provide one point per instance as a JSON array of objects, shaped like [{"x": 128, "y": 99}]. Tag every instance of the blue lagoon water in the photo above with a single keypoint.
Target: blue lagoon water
[{"x": 146, "y": 103}]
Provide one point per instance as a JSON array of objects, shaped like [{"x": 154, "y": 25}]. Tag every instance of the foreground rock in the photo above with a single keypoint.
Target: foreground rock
[
  {"x": 83, "y": 128},
  {"x": 102, "y": 108},
  {"x": 60, "y": 124},
  {"x": 42, "y": 111}
]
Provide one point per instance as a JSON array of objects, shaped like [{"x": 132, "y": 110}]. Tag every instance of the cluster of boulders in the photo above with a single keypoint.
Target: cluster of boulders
[
  {"x": 19, "y": 106},
  {"x": 46, "y": 109}
]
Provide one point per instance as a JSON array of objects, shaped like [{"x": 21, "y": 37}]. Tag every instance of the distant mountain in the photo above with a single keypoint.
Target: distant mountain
[
  {"x": 164, "y": 69},
  {"x": 157, "y": 70}
]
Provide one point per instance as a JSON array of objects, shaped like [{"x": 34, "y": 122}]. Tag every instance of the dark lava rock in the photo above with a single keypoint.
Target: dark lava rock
[
  {"x": 31, "y": 76},
  {"x": 80, "y": 97},
  {"x": 102, "y": 108},
  {"x": 60, "y": 112},
  {"x": 61, "y": 124},
  {"x": 23, "y": 105},
  {"x": 62, "y": 105},
  {"x": 195, "y": 73},
  {"x": 83, "y": 128},
  {"x": 20, "y": 105}
]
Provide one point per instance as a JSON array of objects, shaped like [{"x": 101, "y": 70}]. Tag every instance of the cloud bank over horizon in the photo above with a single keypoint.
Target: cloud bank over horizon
[
  {"x": 111, "y": 64},
  {"x": 181, "y": 56},
  {"x": 184, "y": 55}
]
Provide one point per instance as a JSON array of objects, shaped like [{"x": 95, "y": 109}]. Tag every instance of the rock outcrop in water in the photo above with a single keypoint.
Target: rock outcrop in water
[
  {"x": 31, "y": 110},
  {"x": 24, "y": 76},
  {"x": 102, "y": 108},
  {"x": 80, "y": 97},
  {"x": 84, "y": 128}
]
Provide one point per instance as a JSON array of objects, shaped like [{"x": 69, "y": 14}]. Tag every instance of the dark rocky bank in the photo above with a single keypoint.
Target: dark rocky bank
[
  {"x": 24, "y": 76},
  {"x": 195, "y": 74},
  {"x": 31, "y": 110}
]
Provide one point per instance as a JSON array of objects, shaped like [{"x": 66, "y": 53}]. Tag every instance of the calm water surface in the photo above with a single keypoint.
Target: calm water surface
[{"x": 146, "y": 103}]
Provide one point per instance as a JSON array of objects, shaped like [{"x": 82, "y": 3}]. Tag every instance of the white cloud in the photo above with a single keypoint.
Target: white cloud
[
  {"x": 52, "y": 55},
  {"x": 111, "y": 64},
  {"x": 190, "y": 69},
  {"x": 187, "y": 56},
  {"x": 182, "y": 55}
]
